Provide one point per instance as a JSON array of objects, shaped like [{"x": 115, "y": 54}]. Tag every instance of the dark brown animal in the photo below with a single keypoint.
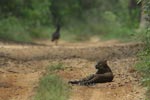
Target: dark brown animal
[
  {"x": 103, "y": 74},
  {"x": 56, "y": 35}
]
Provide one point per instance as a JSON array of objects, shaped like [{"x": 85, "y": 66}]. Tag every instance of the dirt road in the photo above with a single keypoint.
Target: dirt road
[{"x": 21, "y": 66}]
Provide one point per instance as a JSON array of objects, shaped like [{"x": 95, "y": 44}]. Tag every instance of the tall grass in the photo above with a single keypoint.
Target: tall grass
[
  {"x": 52, "y": 87},
  {"x": 144, "y": 64}
]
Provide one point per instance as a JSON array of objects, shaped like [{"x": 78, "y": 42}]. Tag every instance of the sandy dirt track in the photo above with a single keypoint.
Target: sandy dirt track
[{"x": 21, "y": 66}]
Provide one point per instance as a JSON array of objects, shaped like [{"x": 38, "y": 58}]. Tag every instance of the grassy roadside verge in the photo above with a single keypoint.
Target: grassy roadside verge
[
  {"x": 51, "y": 86},
  {"x": 143, "y": 65}
]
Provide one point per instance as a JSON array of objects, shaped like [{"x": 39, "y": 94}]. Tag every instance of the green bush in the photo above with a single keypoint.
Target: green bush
[
  {"x": 12, "y": 29},
  {"x": 52, "y": 87},
  {"x": 39, "y": 32},
  {"x": 143, "y": 66}
]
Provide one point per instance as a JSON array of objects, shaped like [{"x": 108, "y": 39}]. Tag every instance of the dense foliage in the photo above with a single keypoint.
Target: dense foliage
[
  {"x": 144, "y": 63},
  {"x": 26, "y": 19}
]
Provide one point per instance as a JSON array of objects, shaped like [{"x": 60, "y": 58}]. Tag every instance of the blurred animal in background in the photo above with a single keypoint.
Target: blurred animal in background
[
  {"x": 56, "y": 35},
  {"x": 103, "y": 74}
]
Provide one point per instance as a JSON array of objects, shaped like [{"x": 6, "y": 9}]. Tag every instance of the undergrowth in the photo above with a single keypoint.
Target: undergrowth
[
  {"x": 14, "y": 29},
  {"x": 51, "y": 86},
  {"x": 144, "y": 64},
  {"x": 106, "y": 26}
]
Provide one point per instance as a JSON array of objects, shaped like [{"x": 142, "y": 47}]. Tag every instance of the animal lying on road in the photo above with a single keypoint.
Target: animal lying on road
[{"x": 103, "y": 74}]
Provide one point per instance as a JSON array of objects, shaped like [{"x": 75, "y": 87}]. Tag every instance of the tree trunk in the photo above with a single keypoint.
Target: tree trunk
[{"x": 143, "y": 22}]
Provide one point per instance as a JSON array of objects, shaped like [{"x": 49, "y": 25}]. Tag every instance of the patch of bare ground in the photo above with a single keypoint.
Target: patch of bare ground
[
  {"x": 21, "y": 66},
  {"x": 17, "y": 86}
]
